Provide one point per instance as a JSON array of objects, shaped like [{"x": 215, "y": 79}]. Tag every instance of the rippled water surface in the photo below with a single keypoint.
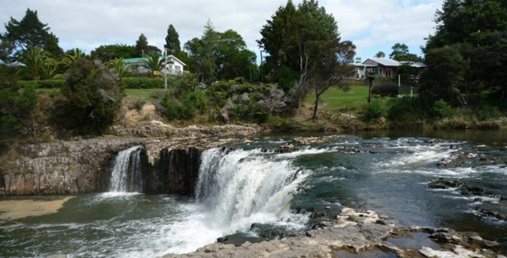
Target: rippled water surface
[{"x": 388, "y": 173}]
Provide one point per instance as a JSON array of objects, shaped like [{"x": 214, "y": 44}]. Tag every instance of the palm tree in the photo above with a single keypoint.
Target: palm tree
[
  {"x": 71, "y": 57},
  {"x": 32, "y": 58},
  {"x": 154, "y": 62},
  {"x": 119, "y": 67}
]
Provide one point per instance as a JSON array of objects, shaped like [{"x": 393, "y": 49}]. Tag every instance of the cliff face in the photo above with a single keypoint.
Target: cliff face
[
  {"x": 62, "y": 167},
  {"x": 84, "y": 166}
]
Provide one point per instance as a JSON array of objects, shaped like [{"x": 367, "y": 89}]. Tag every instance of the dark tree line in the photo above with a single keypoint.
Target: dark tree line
[{"x": 466, "y": 57}]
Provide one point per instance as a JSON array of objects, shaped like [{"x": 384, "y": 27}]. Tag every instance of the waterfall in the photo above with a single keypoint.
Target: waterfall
[
  {"x": 127, "y": 175},
  {"x": 240, "y": 187}
]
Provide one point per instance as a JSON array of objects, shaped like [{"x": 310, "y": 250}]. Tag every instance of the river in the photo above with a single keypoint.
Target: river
[{"x": 387, "y": 172}]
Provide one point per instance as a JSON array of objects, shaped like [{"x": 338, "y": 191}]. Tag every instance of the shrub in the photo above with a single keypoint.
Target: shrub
[
  {"x": 93, "y": 97},
  {"x": 385, "y": 88},
  {"x": 441, "y": 109},
  {"x": 172, "y": 108},
  {"x": 374, "y": 110},
  {"x": 487, "y": 111}
]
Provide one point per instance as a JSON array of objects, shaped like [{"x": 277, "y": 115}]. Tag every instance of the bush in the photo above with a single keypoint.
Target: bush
[
  {"x": 93, "y": 98},
  {"x": 441, "y": 109},
  {"x": 374, "y": 110},
  {"x": 172, "y": 108},
  {"x": 486, "y": 112},
  {"x": 385, "y": 88}
]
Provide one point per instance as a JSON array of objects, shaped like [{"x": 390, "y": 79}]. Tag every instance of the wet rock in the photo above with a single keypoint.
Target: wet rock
[
  {"x": 472, "y": 190},
  {"x": 286, "y": 148},
  {"x": 445, "y": 238},
  {"x": 444, "y": 184}
]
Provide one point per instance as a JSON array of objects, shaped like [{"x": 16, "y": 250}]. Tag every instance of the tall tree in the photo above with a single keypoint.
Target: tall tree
[
  {"x": 142, "y": 46},
  {"x": 400, "y": 51},
  {"x": 293, "y": 39},
  {"x": 334, "y": 66},
  {"x": 279, "y": 42},
  {"x": 203, "y": 53},
  {"x": 233, "y": 58},
  {"x": 475, "y": 29},
  {"x": 30, "y": 32},
  {"x": 172, "y": 41},
  {"x": 467, "y": 21}
]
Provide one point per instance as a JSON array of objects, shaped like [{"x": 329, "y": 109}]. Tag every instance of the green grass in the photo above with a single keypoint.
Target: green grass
[
  {"x": 336, "y": 100},
  {"x": 143, "y": 94}
]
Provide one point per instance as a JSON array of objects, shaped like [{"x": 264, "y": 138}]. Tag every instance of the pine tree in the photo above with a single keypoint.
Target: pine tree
[{"x": 172, "y": 41}]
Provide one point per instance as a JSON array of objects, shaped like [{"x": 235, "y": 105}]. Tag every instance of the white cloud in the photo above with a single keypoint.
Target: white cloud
[{"x": 371, "y": 24}]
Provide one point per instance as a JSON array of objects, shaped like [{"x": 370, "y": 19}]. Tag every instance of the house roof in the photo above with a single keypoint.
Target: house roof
[
  {"x": 384, "y": 61},
  {"x": 140, "y": 59},
  {"x": 392, "y": 63}
]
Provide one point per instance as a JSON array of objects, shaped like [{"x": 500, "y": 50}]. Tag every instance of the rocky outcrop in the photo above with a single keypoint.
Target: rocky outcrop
[
  {"x": 355, "y": 232},
  {"x": 65, "y": 167},
  {"x": 175, "y": 172},
  {"x": 84, "y": 165}
]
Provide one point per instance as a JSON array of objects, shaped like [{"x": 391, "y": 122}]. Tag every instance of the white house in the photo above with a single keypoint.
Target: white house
[
  {"x": 385, "y": 67},
  {"x": 171, "y": 65}
]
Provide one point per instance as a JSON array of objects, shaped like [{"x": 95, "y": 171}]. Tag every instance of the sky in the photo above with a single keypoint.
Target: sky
[{"x": 372, "y": 25}]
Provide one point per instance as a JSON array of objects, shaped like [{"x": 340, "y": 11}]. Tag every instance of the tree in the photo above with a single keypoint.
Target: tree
[
  {"x": 120, "y": 68},
  {"x": 467, "y": 21},
  {"x": 203, "y": 54},
  {"x": 401, "y": 53},
  {"x": 476, "y": 30},
  {"x": 380, "y": 54},
  {"x": 445, "y": 75},
  {"x": 33, "y": 61},
  {"x": 30, "y": 32},
  {"x": 106, "y": 53},
  {"x": 334, "y": 66},
  {"x": 154, "y": 62},
  {"x": 93, "y": 98},
  {"x": 293, "y": 39},
  {"x": 142, "y": 46},
  {"x": 233, "y": 58},
  {"x": 279, "y": 42},
  {"x": 172, "y": 41}
]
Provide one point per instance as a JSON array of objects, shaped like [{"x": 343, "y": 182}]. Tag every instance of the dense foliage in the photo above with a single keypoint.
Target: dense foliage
[
  {"x": 92, "y": 99},
  {"x": 304, "y": 50},
  {"x": 220, "y": 56},
  {"x": 224, "y": 101},
  {"x": 27, "y": 33},
  {"x": 106, "y": 53},
  {"x": 172, "y": 41},
  {"x": 467, "y": 54}
]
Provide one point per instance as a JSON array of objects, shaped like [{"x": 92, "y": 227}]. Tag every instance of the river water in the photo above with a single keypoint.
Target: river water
[{"x": 249, "y": 183}]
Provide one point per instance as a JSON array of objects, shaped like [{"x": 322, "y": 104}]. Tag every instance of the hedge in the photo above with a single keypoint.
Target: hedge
[
  {"x": 130, "y": 83},
  {"x": 43, "y": 84}
]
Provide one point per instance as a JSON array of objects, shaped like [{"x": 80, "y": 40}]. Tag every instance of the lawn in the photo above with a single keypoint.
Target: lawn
[
  {"x": 143, "y": 94},
  {"x": 336, "y": 100}
]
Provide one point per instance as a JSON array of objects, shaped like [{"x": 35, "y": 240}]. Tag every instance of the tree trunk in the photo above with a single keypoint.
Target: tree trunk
[{"x": 316, "y": 106}]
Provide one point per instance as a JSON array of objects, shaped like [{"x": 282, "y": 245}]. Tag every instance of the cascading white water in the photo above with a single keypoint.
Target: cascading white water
[
  {"x": 239, "y": 187},
  {"x": 126, "y": 175}
]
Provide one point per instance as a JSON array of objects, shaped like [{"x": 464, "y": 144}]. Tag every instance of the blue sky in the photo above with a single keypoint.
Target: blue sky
[{"x": 372, "y": 25}]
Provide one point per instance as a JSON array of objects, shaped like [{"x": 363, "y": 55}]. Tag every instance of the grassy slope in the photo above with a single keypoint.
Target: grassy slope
[{"x": 336, "y": 100}]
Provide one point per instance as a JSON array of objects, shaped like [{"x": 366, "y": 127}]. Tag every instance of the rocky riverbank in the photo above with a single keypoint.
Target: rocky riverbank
[{"x": 359, "y": 233}]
